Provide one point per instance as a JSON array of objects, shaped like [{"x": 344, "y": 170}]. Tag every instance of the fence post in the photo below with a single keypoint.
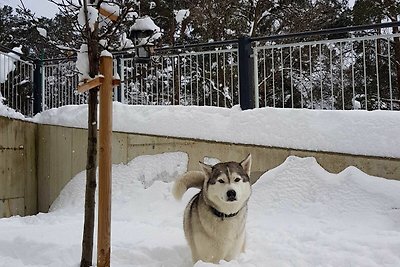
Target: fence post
[
  {"x": 38, "y": 87},
  {"x": 120, "y": 88},
  {"x": 246, "y": 74}
]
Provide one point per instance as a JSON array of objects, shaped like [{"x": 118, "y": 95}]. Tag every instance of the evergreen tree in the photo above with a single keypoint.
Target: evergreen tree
[{"x": 377, "y": 11}]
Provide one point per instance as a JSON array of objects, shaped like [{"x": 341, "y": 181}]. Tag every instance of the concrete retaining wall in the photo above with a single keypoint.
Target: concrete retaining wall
[
  {"x": 18, "y": 179},
  {"x": 59, "y": 153}
]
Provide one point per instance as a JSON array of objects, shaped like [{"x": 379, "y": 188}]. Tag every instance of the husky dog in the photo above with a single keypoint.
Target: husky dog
[{"x": 215, "y": 218}]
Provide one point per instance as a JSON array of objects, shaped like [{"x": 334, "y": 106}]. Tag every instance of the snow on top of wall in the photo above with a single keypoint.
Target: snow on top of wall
[
  {"x": 9, "y": 112},
  {"x": 374, "y": 133}
]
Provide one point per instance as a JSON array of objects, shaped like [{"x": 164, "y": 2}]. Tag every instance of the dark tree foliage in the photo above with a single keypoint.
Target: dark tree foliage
[{"x": 208, "y": 20}]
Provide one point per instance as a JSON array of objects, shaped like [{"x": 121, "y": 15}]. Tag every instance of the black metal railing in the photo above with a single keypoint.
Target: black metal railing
[{"x": 342, "y": 68}]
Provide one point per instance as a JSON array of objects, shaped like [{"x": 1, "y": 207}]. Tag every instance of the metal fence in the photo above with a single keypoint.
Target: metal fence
[
  {"x": 16, "y": 82},
  {"x": 59, "y": 83},
  {"x": 207, "y": 78},
  {"x": 358, "y": 72},
  {"x": 196, "y": 78},
  {"x": 347, "y": 68}
]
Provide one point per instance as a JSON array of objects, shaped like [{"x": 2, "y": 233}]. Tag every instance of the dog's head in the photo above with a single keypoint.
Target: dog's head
[{"x": 227, "y": 185}]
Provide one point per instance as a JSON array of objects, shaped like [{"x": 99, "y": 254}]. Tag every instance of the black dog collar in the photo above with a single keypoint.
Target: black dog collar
[{"x": 222, "y": 215}]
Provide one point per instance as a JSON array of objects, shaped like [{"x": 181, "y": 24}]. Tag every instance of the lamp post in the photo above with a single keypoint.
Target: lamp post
[{"x": 143, "y": 33}]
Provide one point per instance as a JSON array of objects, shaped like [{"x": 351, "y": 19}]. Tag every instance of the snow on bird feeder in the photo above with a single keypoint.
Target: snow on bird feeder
[{"x": 143, "y": 33}]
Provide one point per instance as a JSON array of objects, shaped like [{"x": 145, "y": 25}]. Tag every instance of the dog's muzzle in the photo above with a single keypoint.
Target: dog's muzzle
[{"x": 231, "y": 194}]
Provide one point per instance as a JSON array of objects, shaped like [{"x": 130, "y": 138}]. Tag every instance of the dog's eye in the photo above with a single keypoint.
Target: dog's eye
[
  {"x": 237, "y": 180},
  {"x": 221, "y": 181}
]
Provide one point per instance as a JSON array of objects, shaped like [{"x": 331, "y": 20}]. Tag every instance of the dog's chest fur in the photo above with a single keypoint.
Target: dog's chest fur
[{"x": 222, "y": 236}]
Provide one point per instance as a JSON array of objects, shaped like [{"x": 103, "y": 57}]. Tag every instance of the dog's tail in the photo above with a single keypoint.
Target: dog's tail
[{"x": 190, "y": 179}]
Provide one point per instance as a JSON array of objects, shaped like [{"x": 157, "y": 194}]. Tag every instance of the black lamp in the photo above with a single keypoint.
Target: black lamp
[{"x": 142, "y": 34}]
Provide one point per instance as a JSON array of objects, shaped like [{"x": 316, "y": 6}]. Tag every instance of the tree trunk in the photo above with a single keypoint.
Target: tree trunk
[
  {"x": 91, "y": 163},
  {"x": 91, "y": 166}
]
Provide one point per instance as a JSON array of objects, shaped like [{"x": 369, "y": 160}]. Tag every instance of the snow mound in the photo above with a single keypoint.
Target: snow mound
[
  {"x": 142, "y": 171},
  {"x": 301, "y": 185},
  {"x": 302, "y": 215}
]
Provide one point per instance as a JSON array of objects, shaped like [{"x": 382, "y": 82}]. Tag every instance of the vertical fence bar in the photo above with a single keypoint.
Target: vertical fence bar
[
  {"x": 120, "y": 90},
  {"x": 320, "y": 76},
  {"x": 211, "y": 82},
  {"x": 232, "y": 84},
  {"x": 246, "y": 88},
  {"x": 217, "y": 74},
  {"x": 184, "y": 79},
  {"x": 390, "y": 76},
  {"x": 225, "y": 92},
  {"x": 173, "y": 80},
  {"x": 197, "y": 79},
  {"x": 377, "y": 73},
  {"x": 282, "y": 79},
  {"x": 331, "y": 70},
  {"x": 255, "y": 81},
  {"x": 191, "y": 79},
  {"x": 352, "y": 73},
  {"x": 157, "y": 73},
  {"x": 291, "y": 75},
  {"x": 179, "y": 80},
  {"x": 273, "y": 76},
  {"x": 311, "y": 77},
  {"x": 301, "y": 77},
  {"x": 341, "y": 73},
  {"x": 163, "y": 101},
  {"x": 204, "y": 80},
  {"x": 265, "y": 78},
  {"x": 38, "y": 87},
  {"x": 365, "y": 76}
]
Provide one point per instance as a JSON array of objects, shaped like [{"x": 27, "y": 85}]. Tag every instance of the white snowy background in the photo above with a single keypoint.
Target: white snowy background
[{"x": 299, "y": 214}]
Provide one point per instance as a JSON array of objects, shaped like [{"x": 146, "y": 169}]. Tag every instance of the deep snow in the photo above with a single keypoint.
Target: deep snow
[{"x": 299, "y": 215}]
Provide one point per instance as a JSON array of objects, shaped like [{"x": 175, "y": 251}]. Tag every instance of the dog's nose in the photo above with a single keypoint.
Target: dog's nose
[{"x": 231, "y": 194}]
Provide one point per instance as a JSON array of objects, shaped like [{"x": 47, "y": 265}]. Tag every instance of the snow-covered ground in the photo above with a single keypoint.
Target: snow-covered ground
[{"x": 299, "y": 215}]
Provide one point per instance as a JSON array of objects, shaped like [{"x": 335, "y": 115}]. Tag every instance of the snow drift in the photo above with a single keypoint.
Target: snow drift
[{"x": 299, "y": 215}]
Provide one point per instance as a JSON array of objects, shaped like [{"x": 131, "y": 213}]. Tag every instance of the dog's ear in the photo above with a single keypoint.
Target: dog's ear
[
  {"x": 207, "y": 169},
  {"x": 246, "y": 164}
]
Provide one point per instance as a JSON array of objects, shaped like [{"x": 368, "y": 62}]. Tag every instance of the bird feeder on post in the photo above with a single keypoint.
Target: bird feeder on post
[{"x": 143, "y": 33}]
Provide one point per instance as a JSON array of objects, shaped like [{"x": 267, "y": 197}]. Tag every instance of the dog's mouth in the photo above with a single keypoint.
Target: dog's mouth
[{"x": 231, "y": 199}]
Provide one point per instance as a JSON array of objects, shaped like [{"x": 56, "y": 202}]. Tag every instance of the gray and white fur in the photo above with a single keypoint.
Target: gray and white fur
[{"x": 214, "y": 219}]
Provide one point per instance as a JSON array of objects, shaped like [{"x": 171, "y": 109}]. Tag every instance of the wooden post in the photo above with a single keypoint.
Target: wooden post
[{"x": 105, "y": 162}]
